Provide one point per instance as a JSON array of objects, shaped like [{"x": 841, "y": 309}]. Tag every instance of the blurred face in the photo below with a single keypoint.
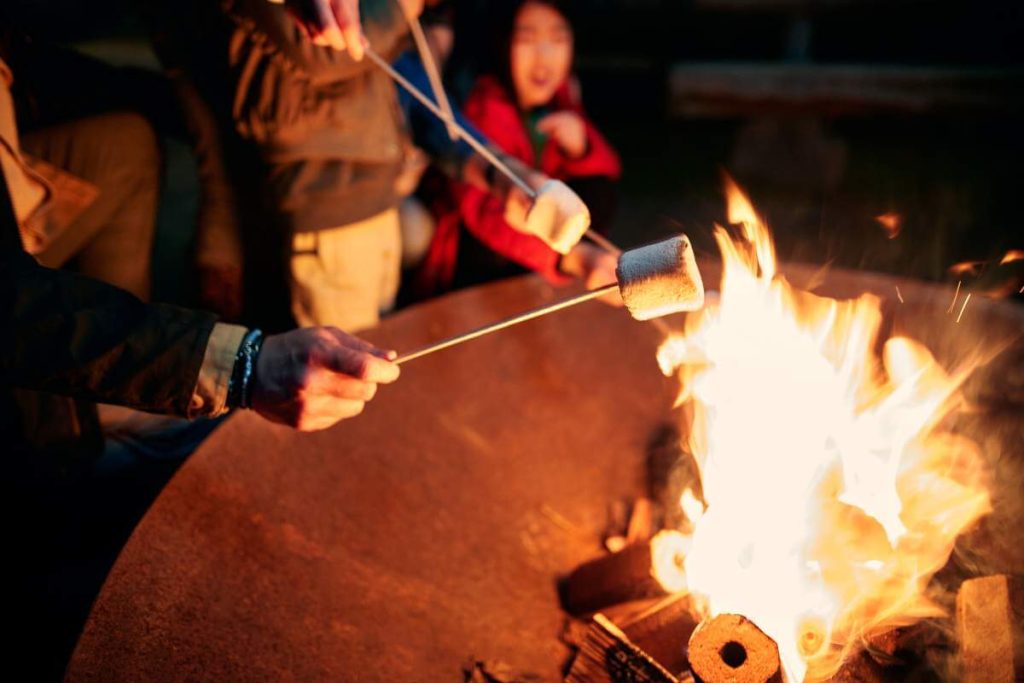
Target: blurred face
[{"x": 541, "y": 54}]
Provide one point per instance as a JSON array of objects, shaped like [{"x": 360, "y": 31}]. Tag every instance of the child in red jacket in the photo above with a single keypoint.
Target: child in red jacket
[{"x": 529, "y": 109}]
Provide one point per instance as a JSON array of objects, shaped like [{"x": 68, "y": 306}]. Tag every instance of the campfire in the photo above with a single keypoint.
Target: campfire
[{"x": 829, "y": 490}]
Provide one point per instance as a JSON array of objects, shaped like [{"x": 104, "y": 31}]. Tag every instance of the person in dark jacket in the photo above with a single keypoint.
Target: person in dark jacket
[{"x": 66, "y": 334}]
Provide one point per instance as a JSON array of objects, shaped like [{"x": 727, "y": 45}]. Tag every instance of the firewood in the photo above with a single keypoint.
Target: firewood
[
  {"x": 607, "y": 656},
  {"x": 990, "y": 616},
  {"x": 731, "y": 649},
  {"x": 663, "y": 630},
  {"x": 641, "y": 522},
  {"x": 609, "y": 580},
  {"x": 861, "y": 668}
]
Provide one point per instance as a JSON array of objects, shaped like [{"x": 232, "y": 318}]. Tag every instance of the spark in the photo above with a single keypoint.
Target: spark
[
  {"x": 966, "y": 268},
  {"x": 892, "y": 222},
  {"x": 898, "y": 294},
  {"x": 964, "y": 308},
  {"x": 956, "y": 295}
]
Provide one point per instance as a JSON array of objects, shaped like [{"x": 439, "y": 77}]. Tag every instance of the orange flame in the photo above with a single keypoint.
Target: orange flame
[
  {"x": 892, "y": 223},
  {"x": 830, "y": 494},
  {"x": 966, "y": 268},
  {"x": 1012, "y": 256}
]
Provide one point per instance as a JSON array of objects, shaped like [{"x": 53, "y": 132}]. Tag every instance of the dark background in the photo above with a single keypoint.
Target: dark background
[{"x": 947, "y": 161}]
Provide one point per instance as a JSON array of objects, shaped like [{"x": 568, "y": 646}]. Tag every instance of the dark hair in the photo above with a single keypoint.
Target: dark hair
[
  {"x": 503, "y": 27},
  {"x": 443, "y": 13}
]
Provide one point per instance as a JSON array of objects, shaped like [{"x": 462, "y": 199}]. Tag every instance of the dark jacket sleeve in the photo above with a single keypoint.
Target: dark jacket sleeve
[{"x": 70, "y": 335}]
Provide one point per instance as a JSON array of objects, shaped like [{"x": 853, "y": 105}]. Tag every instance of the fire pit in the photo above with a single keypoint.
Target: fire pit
[
  {"x": 429, "y": 534},
  {"x": 839, "y": 462}
]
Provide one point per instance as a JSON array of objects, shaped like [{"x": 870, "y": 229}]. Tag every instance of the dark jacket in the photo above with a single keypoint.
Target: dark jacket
[
  {"x": 328, "y": 128},
  {"x": 69, "y": 335}
]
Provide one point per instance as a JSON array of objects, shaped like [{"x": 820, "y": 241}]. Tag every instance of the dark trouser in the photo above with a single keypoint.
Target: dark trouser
[
  {"x": 70, "y": 522},
  {"x": 112, "y": 239}
]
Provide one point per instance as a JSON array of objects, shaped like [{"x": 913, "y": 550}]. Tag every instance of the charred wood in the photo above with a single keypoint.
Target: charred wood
[
  {"x": 610, "y": 580},
  {"x": 664, "y": 630},
  {"x": 607, "y": 655}
]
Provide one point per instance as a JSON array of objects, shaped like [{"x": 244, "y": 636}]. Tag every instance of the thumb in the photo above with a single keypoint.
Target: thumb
[{"x": 361, "y": 365}]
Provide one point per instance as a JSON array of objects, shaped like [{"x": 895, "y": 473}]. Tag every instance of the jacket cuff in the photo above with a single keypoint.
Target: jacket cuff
[{"x": 210, "y": 395}]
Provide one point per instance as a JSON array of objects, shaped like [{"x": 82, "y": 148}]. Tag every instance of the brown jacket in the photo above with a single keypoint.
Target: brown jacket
[{"x": 329, "y": 128}]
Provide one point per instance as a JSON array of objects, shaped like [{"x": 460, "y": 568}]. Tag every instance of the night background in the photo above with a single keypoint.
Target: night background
[{"x": 830, "y": 112}]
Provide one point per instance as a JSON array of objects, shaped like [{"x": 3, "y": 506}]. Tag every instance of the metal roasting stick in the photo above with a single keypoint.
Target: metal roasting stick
[
  {"x": 433, "y": 72},
  {"x": 594, "y": 236},
  {"x": 477, "y": 146},
  {"x": 508, "y": 322}
]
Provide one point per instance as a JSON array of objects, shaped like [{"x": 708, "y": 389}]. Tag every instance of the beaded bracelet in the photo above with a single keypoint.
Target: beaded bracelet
[{"x": 240, "y": 384}]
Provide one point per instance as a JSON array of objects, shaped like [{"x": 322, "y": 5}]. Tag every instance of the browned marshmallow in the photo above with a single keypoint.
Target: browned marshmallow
[{"x": 660, "y": 279}]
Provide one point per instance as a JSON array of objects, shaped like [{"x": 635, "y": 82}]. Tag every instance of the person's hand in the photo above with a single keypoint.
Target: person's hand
[
  {"x": 312, "y": 378},
  {"x": 220, "y": 290},
  {"x": 595, "y": 267},
  {"x": 568, "y": 131},
  {"x": 517, "y": 206},
  {"x": 412, "y": 8},
  {"x": 331, "y": 23}
]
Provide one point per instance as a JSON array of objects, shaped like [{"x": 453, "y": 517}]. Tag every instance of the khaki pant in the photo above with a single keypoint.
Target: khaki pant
[{"x": 347, "y": 276}]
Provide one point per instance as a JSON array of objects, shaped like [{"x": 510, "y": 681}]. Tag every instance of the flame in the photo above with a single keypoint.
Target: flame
[
  {"x": 966, "y": 268},
  {"x": 831, "y": 495},
  {"x": 668, "y": 556},
  {"x": 892, "y": 223},
  {"x": 691, "y": 505},
  {"x": 1012, "y": 256}
]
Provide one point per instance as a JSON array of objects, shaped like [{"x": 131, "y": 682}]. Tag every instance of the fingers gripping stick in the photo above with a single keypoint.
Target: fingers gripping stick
[{"x": 558, "y": 216}]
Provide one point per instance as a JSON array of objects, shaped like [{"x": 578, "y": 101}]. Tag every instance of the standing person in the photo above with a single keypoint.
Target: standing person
[
  {"x": 332, "y": 142},
  {"x": 528, "y": 104}
]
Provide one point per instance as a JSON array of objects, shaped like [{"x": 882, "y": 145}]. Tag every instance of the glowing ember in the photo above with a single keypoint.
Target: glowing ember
[
  {"x": 966, "y": 268},
  {"x": 892, "y": 223},
  {"x": 1012, "y": 256},
  {"x": 830, "y": 494}
]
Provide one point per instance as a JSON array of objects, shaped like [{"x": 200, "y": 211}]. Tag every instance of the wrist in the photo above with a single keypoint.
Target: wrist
[{"x": 240, "y": 387}]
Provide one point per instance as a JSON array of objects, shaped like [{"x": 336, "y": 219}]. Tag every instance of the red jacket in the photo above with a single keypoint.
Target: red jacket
[{"x": 497, "y": 116}]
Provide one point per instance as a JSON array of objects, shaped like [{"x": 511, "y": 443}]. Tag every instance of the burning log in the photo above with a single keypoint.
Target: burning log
[
  {"x": 731, "y": 649},
  {"x": 638, "y": 571},
  {"x": 990, "y": 612}
]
